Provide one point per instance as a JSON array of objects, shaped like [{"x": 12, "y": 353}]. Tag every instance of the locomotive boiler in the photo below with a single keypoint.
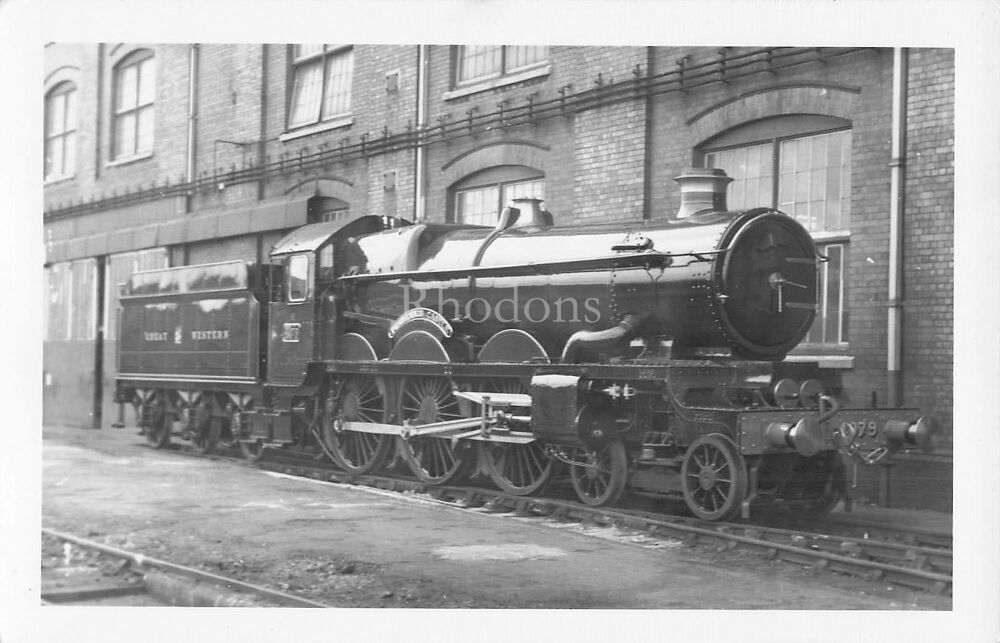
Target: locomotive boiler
[{"x": 644, "y": 355}]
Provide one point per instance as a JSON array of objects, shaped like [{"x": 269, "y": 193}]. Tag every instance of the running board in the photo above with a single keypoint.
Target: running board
[{"x": 495, "y": 399}]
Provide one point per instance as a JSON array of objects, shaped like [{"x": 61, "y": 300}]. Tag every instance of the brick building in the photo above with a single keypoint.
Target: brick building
[{"x": 178, "y": 154}]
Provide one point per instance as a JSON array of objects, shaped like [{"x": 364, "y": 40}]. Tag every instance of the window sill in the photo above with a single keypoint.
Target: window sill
[
  {"x": 831, "y": 236},
  {"x": 316, "y": 128},
  {"x": 502, "y": 81},
  {"x": 824, "y": 361},
  {"x": 52, "y": 179},
  {"x": 133, "y": 158}
]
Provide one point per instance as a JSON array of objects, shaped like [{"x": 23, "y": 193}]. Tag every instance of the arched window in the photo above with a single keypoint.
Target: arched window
[
  {"x": 801, "y": 165},
  {"x": 135, "y": 93},
  {"x": 321, "y": 86},
  {"x": 60, "y": 131},
  {"x": 478, "y": 198},
  {"x": 325, "y": 208}
]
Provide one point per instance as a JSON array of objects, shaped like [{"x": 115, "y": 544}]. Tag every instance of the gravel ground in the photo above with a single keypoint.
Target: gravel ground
[{"x": 353, "y": 547}]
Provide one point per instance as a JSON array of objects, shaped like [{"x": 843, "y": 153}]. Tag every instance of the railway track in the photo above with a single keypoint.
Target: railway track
[
  {"x": 918, "y": 559},
  {"x": 91, "y": 573}
]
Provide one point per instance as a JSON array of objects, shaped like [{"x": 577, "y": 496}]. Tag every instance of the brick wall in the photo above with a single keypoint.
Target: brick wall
[
  {"x": 609, "y": 162},
  {"x": 857, "y": 88},
  {"x": 928, "y": 250},
  {"x": 592, "y": 161},
  {"x": 613, "y": 163}
]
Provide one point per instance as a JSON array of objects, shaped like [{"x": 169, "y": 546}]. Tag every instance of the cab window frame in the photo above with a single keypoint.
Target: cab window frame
[{"x": 292, "y": 272}]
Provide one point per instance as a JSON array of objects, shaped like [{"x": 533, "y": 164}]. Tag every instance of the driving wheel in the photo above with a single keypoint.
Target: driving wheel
[
  {"x": 358, "y": 398},
  {"x": 517, "y": 469},
  {"x": 433, "y": 460}
]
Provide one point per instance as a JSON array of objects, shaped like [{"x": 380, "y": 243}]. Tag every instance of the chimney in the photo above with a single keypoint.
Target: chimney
[{"x": 703, "y": 190}]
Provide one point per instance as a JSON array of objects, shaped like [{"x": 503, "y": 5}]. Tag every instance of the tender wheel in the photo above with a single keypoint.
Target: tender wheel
[
  {"x": 228, "y": 437},
  {"x": 158, "y": 423},
  {"x": 517, "y": 469},
  {"x": 252, "y": 449},
  {"x": 714, "y": 478},
  {"x": 422, "y": 401},
  {"x": 207, "y": 429},
  {"x": 602, "y": 480},
  {"x": 208, "y": 435},
  {"x": 357, "y": 399}
]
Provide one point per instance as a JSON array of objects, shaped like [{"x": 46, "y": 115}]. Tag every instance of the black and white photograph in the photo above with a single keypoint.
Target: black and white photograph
[{"x": 501, "y": 321}]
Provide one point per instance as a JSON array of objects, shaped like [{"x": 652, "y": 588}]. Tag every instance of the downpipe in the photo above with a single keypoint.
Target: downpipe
[{"x": 897, "y": 206}]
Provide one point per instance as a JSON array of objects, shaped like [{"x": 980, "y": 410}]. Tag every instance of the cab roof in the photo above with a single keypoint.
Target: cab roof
[
  {"x": 307, "y": 238},
  {"x": 310, "y": 237}
]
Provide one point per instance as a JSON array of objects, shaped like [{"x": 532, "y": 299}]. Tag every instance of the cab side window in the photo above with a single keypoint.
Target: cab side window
[
  {"x": 297, "y": 278},
  {"x": 326, "y": 270}
]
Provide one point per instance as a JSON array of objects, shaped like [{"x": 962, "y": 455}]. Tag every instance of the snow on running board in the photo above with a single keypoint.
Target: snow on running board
[{"x": 497, "y": 552}]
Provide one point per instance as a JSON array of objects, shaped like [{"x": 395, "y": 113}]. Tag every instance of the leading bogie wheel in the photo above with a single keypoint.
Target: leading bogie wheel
[
  {"x": 517, "y": 469},
  {"x": 357, "y": 398},
  {"x": 600, "y": 478},
  {"x": 714, "y": 478},
  {"x": 432, "y": 460},
  {"x": 827, "y": 485},
  {"x": 252, "y": 450}
]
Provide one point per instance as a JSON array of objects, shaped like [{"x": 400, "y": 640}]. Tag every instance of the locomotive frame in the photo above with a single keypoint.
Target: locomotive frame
[{"x": 682, "y": 396}]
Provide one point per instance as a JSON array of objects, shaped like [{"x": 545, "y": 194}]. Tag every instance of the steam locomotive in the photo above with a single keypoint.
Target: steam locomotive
[{"x": 646, "y": 356}]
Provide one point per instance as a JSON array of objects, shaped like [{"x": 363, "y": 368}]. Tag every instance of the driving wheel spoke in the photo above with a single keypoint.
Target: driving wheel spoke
[
  {"x": 433, "y": 460},
  {"x": 517, "y": 469},
  {"x": 356, "y": 398}
]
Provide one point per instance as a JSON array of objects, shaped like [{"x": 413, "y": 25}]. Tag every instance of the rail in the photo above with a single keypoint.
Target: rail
[{"x": 143, "y": 562}]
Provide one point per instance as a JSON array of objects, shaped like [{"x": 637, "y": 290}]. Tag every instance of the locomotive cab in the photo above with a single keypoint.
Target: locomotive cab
[
  {"x": 292, "y": 317},
  {"x": 302, "y": 311}
]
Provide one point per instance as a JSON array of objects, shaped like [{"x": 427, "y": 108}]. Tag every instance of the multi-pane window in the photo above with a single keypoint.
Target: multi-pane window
[
  {"x": 807, "y": 176},
  {"x": 481, "y": 62},
  {"x": 481, "y": 205},
  {"x": 751, "y": 169},
  {"x": 71, "y": 313},
  {"x": 815, "y": 180},
  {"x": 321, "y": 86},
  {"x": 135, "y": 94},
  {"x": 812, "y": 176},
  {"x": 60, "y": 131},
  {"x": 323, "y": 209},
  {"x": 830, "y": 326}
]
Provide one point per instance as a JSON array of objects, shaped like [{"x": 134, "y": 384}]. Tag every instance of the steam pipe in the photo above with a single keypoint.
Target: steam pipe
[{"x": 599, "y": 339}]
